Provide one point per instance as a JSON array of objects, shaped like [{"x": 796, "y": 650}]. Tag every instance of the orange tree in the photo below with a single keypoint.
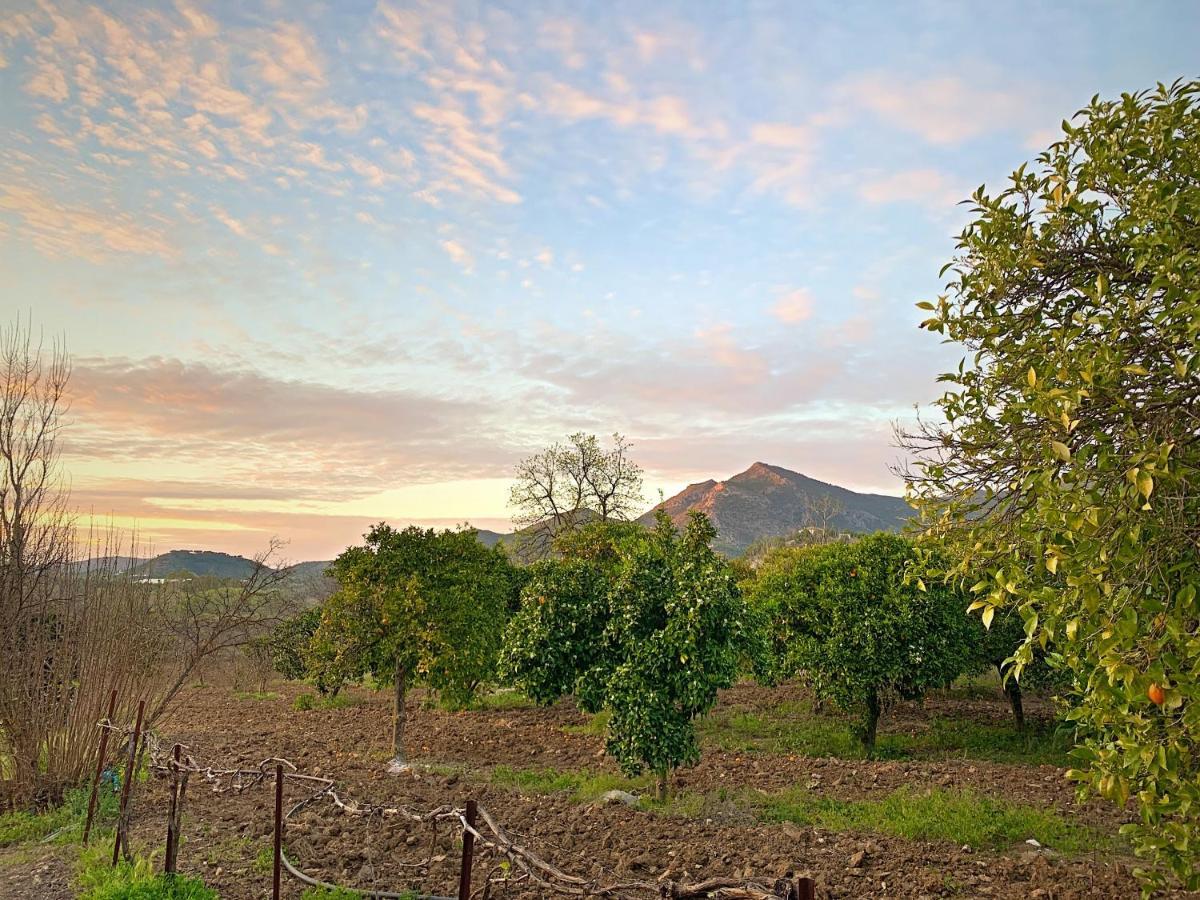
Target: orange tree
[
  {"x": 845, "y": 617},
  {"x": 416, "y": 604},
  {"x": 1063, "y": 468},
  {"x": 647, "y": 626}
]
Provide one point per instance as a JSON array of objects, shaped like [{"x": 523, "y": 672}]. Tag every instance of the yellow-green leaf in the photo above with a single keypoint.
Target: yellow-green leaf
[
  {"x": 1061, "y": 450},
  {"x": 988, "y": 615}
]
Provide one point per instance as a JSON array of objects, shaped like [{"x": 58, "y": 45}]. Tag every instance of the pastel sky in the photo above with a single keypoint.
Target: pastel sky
[{"x": 322, "y": 264}]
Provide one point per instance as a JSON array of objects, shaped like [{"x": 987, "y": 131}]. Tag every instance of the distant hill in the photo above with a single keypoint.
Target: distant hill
[
  {"x": 770, "y": 501},
  {"x": 767, "y": 501},
  {"x": 198, "y": 562}
]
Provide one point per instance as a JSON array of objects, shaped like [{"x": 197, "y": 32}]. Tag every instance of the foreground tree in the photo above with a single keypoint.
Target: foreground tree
[
  {"x": 1066, "y": 466},
  {"x": 846, "y": 618},
  {"x": 416, "y": 604},
  {"x": 646, "y": 626},
  {"x": 568, "y": 485}
]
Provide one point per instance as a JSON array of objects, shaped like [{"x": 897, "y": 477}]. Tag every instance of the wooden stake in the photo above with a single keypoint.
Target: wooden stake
[
  {"x": 808, "y": 888},
  {"x": 130, "y": 774},
  {"x": 278, "y": 830},
  {"x": 112, "y": 706},
  {"x": 464, "y": 875},
  {"x": 172, "y": 817}
]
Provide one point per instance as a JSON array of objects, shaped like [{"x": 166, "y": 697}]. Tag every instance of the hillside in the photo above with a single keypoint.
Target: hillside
[
  {"x": 198, "y": 562},
  {"x": 770, "y": 501}
]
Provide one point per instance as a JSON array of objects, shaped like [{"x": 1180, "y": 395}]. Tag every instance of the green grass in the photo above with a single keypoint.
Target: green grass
[
  {"x": 264, "y": 862},
  {"x": 65, "y": 821},
  {"x": 322, "y": 893},
  {"x": 333, "y": 701},
  {"x": 793, "y": 727},
  {"x": 98, "y": 879},
  {"x": 958, "y": 816},
  {"x": 595, "y": 726},
  {"x": 501, "y": 700},
  {"x": 583, "y": 786},
  {"x": 962, "y": 817}
]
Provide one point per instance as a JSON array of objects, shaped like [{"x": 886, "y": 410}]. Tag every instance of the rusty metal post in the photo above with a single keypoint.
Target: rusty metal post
[
  {"x": 172, "y": 821},
  {"x": 112, "y": 707},
  {"x": 278, "y": 830},
  {"x": 130, "y": 774},
  {"x": 464, "y": 875},
  {"x": 808, "y": 888}
]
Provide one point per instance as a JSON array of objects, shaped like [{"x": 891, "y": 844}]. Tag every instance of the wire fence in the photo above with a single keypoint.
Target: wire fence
[{"x": 509, "y": 865}]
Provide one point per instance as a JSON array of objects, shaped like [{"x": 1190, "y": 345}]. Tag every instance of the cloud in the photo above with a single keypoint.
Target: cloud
[
  {"x": 944, "y": 110},
  {"x": 927, "y": 187},
  {"x": 461, "y": 256},
  {"x": 61, "y": 230},
  {"x": 793, "y": 306}
]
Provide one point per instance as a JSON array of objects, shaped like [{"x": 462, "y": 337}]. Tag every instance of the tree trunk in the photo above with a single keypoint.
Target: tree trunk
[
  {"x": 1012, "y": 689},
  {"x": 660, "y": 785},
  {"x": 871, "y": 726},
  {"x": 398, "y": 716}
]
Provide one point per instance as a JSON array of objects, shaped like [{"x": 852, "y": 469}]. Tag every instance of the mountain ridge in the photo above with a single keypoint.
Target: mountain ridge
[{"x": 770, "y": 501}]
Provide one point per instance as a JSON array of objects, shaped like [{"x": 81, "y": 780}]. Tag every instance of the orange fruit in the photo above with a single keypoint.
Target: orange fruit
[{"x": 1156, "y": 694}]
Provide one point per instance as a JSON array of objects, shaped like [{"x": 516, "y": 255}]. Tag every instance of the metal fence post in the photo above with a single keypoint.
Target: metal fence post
[
  {"x": 130, "y": 774},
  {"x": 112, "y": 706},
  {"x": 464, "y": 875},
  {"x": 278, "y": 830}
]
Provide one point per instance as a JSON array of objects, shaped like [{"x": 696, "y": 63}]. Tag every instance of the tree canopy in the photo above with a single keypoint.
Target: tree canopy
[
  {"x": 847, "y": 618},
  {"x": 1063, "y": 469},
  {"x": 417, "y": 604},
  {"x": 646, "y": 626}
]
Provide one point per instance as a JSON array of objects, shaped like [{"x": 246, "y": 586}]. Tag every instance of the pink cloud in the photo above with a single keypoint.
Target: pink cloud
[{"x": 794, "y": 306}]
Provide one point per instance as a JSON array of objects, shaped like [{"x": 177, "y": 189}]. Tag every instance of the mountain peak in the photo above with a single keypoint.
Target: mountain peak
[{"x": 770, "y": 501}]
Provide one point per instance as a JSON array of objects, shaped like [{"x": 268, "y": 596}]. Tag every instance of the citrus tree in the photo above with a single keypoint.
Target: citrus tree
[
  {"x": 416, "y": 604},
  {"x": 646, "y": 626},
  {"x": 846, "y": 618},
  {"x": 1063, "y": 465}
]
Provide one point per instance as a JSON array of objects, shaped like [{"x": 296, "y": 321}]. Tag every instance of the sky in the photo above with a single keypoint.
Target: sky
[{"x": 325, "y": 264}]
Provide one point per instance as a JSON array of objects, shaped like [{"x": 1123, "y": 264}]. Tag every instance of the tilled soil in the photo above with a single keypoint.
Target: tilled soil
[{"x": 228, "y": 836}]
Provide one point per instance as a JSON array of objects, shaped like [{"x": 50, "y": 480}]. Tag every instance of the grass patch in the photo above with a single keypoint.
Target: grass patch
[
  {"x": 962, "y": 817},
  {"x": 584, "y": 787},
  {"x": 65, "y": 821},
  {"x": 793, "y": 727},
  {"x": 502, "y": 699},
  {"x": 595, "y": 726},
  {"x": 98, "y": 879},
  {"x": 307, "y": 701}
]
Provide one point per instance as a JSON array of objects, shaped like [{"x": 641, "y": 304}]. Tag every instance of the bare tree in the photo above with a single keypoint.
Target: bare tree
[
  {"x": 819, "y": 513},
  {"x": 35, "y": 528},
  {"x": 209, "y": 617},
  {"x": 569, "y": 484}
]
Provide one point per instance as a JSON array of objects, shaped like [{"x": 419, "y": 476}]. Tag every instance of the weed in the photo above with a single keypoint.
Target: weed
[
  {"x": 584, "y": 786},
  {"x": 793, "y": 727},
  {"x": 264, "y": 862},
  {"x": 595, "y": 726},
  {"x": 65, "y": 821},
  {"x": 99, "y": 880},
  {"x": 963, "y": 817}
]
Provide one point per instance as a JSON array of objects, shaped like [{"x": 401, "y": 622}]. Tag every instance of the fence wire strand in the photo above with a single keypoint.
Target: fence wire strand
[{"x": 525, "y": 868}]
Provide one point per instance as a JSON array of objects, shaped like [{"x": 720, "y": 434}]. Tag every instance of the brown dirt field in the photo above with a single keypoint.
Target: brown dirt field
[{"x": 226, "y": 833}]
